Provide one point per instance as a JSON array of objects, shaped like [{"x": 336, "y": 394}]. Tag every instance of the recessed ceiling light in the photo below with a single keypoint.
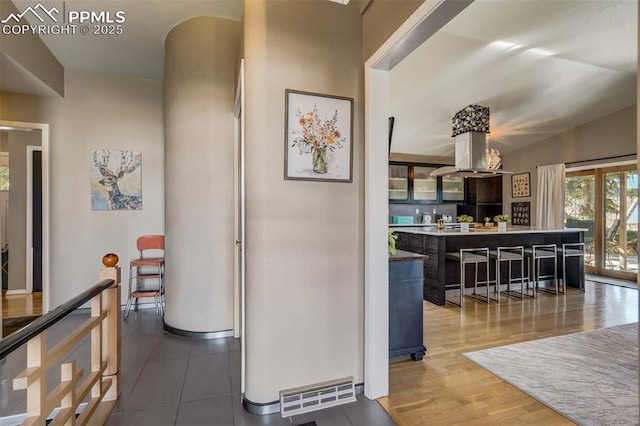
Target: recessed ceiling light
[{"x": 340, "y": 1}]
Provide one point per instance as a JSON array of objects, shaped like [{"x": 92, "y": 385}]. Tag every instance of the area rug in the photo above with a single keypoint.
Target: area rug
[{"x": 590, "y": 377}]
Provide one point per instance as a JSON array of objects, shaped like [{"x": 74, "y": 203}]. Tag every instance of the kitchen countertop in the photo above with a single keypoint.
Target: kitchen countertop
[
  {"x": 406, "y": 255},
  {"x": 452, "y": 232}
]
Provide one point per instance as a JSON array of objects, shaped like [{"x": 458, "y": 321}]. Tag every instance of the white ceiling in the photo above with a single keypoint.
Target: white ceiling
[
  {"x": 139, "y": 51},
  {"x": 542, "y": 66}
]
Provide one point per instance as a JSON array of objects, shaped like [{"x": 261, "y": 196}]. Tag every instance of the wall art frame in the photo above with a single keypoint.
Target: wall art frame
[
  {"x": 116, "y": 180},
  {"x": 521, "y": 213},
  {"x": 520, "y": 185},
  {"x": 318, "y": 137}
]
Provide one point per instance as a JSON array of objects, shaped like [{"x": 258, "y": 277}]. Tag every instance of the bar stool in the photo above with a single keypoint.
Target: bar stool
[
  {"x": 508, "y": 254},
  {"x": 570, "y": 250},
  {"x": 473, "y": 256},
  {"x": 536, "y": 254}
]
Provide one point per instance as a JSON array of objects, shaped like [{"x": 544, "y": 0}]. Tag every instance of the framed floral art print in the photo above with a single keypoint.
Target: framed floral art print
[{"x": 318, "y": 137}]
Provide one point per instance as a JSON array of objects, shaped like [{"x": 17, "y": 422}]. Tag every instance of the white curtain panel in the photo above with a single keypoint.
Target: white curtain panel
[{"x": 550, "y": 197}]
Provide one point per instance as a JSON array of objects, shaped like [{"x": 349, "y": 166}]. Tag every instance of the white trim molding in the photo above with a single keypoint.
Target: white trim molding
[
  {"x": 422, "y": 24},
  {"x": 46, "y": 199}
]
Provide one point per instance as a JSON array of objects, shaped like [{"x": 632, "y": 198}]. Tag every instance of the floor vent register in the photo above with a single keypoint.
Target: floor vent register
[{"x": 316, "y": 397}]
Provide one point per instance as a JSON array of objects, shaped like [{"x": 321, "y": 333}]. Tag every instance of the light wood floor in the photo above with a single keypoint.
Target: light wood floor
[
  {"x": 445, "y": 388},
  {"x": 21, "y": 305}
]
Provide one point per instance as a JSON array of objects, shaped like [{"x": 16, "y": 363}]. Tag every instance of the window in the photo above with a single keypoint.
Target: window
[
  {"x": 579, "y": 208},
  {"x": 605, "y": 202}
]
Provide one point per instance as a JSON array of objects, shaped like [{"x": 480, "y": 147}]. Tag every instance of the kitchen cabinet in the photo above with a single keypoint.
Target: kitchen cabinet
[
  {"x": 413, "y": 183},
  {"x": 398, "y": 183},
  {"x": 425, "y": 186},
  {"x": 484, "y": 190},
  {"x": 452, "y": 188},
  {"x": 483, "y": 198},
  {"x": 406, "y": 283}
]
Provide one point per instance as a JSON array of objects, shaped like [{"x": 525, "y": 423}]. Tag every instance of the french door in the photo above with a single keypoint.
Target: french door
[{"x": 605, "y": 201}]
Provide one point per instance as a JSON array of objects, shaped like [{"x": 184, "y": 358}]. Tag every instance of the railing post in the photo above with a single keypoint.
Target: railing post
[
  {"x": 68, "y": 374},
  {"x": 98, "y": 345},
  {"x": 37, "y": 390},
  {"x": 111, "y": 331}
]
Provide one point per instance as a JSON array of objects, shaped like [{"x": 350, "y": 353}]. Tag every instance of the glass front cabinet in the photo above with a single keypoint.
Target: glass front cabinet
[
  {"x": 452, "y": 188},
  {"x": 398, "y": 183},
  {"x": 413, "y": 183},
  {"x": 425, "y": 186}
]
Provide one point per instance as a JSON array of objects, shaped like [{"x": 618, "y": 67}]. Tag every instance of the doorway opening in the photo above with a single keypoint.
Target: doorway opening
[
  {"x": 428, "y": 18},
  {"x": 40, "y": 132},
  {"x": 34, "y": 219}
]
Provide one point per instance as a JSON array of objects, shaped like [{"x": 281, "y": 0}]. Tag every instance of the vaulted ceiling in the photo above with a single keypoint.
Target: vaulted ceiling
[{"x": 541, "y": 66}]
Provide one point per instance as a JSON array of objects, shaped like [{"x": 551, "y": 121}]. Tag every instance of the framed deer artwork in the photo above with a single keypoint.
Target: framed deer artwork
[{"x": 116, "y": 180}]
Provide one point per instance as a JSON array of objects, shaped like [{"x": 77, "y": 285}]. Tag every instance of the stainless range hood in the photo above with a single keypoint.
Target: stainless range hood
[{"x": 473, "y": 156}]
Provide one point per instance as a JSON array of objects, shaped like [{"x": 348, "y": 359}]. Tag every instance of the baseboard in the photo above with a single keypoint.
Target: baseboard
[
  {"x": 204, "y": 335},
  {"x": 16, "y": 292}
]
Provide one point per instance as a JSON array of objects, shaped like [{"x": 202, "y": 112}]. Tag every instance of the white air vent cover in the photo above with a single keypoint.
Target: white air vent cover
[{"x": 316, "y": 397}]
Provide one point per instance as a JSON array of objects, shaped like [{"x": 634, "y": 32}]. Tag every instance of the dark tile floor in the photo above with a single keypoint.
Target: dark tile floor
[{"x": 171, "y": 380}]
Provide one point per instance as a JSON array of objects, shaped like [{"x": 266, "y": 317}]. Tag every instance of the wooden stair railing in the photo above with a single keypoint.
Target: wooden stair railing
[{"x": 102, "y": 383}]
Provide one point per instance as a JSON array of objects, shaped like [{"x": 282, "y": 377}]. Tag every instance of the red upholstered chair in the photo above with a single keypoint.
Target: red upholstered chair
[{"x": 149, "y": 266}]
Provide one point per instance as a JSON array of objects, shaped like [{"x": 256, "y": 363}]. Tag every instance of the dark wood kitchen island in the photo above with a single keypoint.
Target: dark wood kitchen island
[{"x": 436, "y": 243}]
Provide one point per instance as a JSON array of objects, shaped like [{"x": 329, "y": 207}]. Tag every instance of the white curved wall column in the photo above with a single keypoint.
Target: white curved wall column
[{"x": 200, "y": 62}]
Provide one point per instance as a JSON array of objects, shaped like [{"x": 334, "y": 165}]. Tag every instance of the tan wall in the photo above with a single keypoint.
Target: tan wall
[
  {"x": 98, "y": 112},
  {"x": 381, "y": 19},
  {"x": 304, "y": 244},
  {"x": 609, "y": 136},
  {"x": 17, "y": 225},
  {"x": 200, "y": 61}
]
